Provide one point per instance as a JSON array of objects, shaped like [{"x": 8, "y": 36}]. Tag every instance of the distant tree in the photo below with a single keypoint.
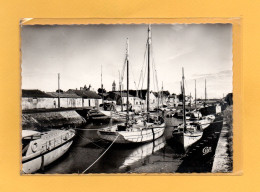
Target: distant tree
[
  {"x": 100, "y": 90},
  {"x": 180, "y": 97},
  {"x": 61, "y": 91},
  {"x": 229, "y": 99},
  {"x": 166, "y": 93}
]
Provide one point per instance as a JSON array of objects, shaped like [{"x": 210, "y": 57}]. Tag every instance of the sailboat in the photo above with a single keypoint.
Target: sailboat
[
  {"x": 194, "y": 114},
  {"x": 40, "y": 149},
  {"x": 136, "y": 131},
  {"x": 108, "y": 111},
  {"x": 205, "y": 121},
  {"x": 189, "y": 132}
]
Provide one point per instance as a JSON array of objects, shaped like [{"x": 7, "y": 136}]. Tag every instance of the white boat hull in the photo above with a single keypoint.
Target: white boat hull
[
  {"x": 44, "y": 160},
  {"x": 116, "y": 116},
  {"x": 187, "y": 139},
  {"x": 45, "y": 149},
  {"x": 205, "y": 123},
  {"x": 135, "y": 136}
]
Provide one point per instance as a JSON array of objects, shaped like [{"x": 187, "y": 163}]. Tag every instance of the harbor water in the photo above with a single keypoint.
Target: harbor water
[{"x": 160, "y": 156}]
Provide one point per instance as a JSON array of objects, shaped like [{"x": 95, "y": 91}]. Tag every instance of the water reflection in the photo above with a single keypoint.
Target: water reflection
[
  {"x": 143, "y": 151},
  {"x": 161, "y": 155}
]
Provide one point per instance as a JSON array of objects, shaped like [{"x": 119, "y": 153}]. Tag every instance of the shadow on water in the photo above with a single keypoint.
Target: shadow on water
[{"x": 160, "y": 156}]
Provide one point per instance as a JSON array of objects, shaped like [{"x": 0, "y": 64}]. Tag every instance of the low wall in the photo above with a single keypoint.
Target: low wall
[{"x": 36, "y": 121}]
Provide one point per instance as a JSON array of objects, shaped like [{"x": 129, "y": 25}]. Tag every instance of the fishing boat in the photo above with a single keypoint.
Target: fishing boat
[
  {"x": 136, "y": 131},
  {"x": 109, "y": 111},
  {"x": 117, "y": 116},
  {"x": 189, "y": 132},
  {"x": 40, "y": 149},
  {"x": 205, "y": 121}
]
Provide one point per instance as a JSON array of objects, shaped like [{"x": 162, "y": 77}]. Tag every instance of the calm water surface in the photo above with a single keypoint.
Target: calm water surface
[{"x": 159, "y": 156}]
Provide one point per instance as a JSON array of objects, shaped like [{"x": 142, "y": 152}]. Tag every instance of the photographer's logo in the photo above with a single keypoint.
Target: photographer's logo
[{"x": 206, "y": 150}]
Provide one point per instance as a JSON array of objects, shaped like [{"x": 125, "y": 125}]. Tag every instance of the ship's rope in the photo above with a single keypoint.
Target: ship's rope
[
  {"x": 155, "y": 71},
  {"x": 91, "y": 140},
  {"x": 200, "y": 124},
  {"x": 86, "y": 129},
  {"x": 101, "y": 154},
  {"x": 144, "y": 75},
  {"x": 141, "y": 74}
]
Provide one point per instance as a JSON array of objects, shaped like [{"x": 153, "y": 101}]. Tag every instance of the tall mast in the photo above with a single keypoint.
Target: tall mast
[
  {"x": 205, "y": 93},
  {"x": 162, "y": 93},
  {"x": 148, "y": 76},
  {"x": 190, "y": 101},
  {"x": 102, "y": 86},
  {"x": 195, "y": 96},
  {"x": 127, "y": 73},
  {"x": 120, "y": 88},
  {"x": 58, "y": 90},
  {"x": 183, "y": 100}
]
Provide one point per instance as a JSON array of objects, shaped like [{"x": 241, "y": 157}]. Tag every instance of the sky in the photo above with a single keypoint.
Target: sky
[{"x": 77, "y": 52}]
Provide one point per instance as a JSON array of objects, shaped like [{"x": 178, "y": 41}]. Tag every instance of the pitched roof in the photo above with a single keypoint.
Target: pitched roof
[
  {"x": 35, "y": 93},
  {"x": 63, "y": 95},
  {"x": 124, "y": 94},
  {"x": 162, "y": 93},
  {"x": 172, "y": 96},
  {"x": 85, "y": 93},
  {"x": 139, "y": 93}
]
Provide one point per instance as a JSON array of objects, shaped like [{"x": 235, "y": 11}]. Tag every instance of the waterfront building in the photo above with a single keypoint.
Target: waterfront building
[
  {"x": 67, "y": 100},
  {"x": 89, "y": 98},
  {"x": 119, "y": 98},
  {"x": 141, "y": 95},
  {"x": 173, "y": 100},
  {"x": 36, "y": 99},
  {"x": 162, "y": 96}
]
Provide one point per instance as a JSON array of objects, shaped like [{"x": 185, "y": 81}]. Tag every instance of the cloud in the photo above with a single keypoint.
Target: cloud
[
  {"x": 179, "y": 54},
  {"x": 225, "y": 73}
]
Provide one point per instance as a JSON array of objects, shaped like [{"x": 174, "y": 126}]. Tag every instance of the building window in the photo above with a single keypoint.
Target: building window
[{"x": 34, "y": 101}]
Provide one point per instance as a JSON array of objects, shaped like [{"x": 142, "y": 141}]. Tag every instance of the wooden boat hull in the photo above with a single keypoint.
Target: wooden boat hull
[
  {"x": 115, "y": 116},
  {"x": 187, "y": 139},
  {"x": 44, "y": 160},
  {"x": 137, "y": 136},
  {"x": 48, "y": 151}
]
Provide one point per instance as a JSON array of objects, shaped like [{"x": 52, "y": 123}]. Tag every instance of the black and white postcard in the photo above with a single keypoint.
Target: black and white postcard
[{"x": 126, "y": 98}]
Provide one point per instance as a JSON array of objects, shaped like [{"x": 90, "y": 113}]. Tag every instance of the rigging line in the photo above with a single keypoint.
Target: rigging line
[
  {"x": 131, "y": 69},
  {"x": 155, "y": 69},
  {"x": 146, "y": 66},
  {"x": 143, "y": 64},
  {"x": 156, "y": 80},
  {"x": 101, "y": 154},
  {"x": 90, "y": 140},
  {"x": 86, "y": 129},
  {"x": 153, "y": 75},
  {"x": 202, "y": 123}
]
